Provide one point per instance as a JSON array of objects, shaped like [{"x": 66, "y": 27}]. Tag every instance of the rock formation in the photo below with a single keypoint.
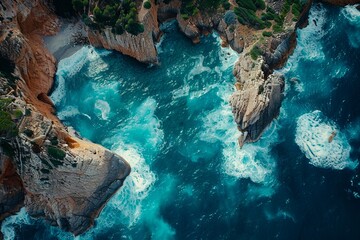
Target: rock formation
[
  {"x": 58, "y": 176},
  {"x": 257, "y": 100},
  {"x": 141, "y": 47}
]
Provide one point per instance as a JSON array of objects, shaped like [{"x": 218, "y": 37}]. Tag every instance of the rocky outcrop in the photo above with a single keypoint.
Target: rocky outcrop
[
  {"x": 65, "y": 179},
  {"x": 141, "y": 46},
  {"x": 259, "y": 92},
  {"x": 68, "y": 180},
  {"x": 257, "y": 100},
  {"x": 12, "y": 192},
  {"x": 198, "y": 25}
]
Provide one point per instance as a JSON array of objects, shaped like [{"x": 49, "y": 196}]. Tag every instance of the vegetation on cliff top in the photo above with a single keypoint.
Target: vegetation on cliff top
[
  {"x": 192, "y": 7},
  {"x": 8, "y": 116},
  {"x": 121, "y": 16},
  {"x": 248, "y": 13}
]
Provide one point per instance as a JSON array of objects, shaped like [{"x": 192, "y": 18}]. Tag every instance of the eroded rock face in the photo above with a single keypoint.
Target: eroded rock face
[
  {"x": 11, "y": 188},
  {"x": 257, "y": 100},
  {"x": 141, "y": 46},
  {"x": 65, "y": 179}
]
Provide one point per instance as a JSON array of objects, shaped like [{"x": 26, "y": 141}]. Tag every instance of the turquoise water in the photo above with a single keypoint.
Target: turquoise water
[{"x": 174, "y": 125}]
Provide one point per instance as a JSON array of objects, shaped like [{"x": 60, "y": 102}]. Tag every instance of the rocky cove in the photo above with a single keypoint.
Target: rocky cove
[{"x": 96, "y": 171}]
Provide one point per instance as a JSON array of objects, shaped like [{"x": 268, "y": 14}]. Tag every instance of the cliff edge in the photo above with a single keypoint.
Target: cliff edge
[{"x": 58, "y": 176}]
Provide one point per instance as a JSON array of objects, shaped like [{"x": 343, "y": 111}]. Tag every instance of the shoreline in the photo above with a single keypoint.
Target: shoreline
[{"x": 68, "y": 40}]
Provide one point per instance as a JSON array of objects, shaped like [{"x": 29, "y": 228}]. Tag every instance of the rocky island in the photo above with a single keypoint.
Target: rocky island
[{"x": 48, "y": 167}]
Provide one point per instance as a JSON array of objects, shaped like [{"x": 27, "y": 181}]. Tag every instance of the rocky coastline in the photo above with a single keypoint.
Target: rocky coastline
[
  {"x": 59, "y": 176},
  {"x": 258, "y": 92},
  {"x": 67, "y": 180}
]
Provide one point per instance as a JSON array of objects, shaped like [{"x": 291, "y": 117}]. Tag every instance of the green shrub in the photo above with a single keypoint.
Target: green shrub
[
  {"x": 56, "y": 153},
  {"x": 4, "y": 103},
  {"x": 54, "y": 141},
  {"x": 297, "y": 8},
  {"x": 248, "y": 4},
  {"x": 185, "y": 16},
  {"x": 261, "y": 89},
  {"x": 7, "y": 148},
  {"x": 226, "y": 5},
  {"x": 98, "y": 14},
  {"x": 267, "y": 34},
  {"x": 134, "y": 27},
  {"x": 28, "y": 132},
  {"x": 17, "y": 113},
  {"x": 147, "y": 5},
  {"x": 248, "y": 17},
  {"x": 27, "y": 112},
  {"x": 7, "y": 126},
  {"x": 267, "y": 24},
  {"x": 260, "y": 4},
  {"x": 255, "y": 52},
  {"x": 118, "y": 27},
  {"x": 77, "y": 5},
  {"x": 88, "y": 22},
  {"x": 277, "y": 28}
]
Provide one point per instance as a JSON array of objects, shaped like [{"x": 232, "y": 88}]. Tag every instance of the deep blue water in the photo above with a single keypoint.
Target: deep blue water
[{"x": 189, "y": 179}]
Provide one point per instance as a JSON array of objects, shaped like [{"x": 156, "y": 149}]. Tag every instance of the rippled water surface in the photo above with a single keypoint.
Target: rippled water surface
[{"x": 174, "y": 126}]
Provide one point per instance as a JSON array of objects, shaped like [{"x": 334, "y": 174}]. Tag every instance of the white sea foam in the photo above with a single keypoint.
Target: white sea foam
[
  {"x": 68, "y": 112},
  {"x": 144, "y": 128},
  {"x": 199, "y": 68},
  {"x": 59, "y": 92},
  {"x": 243, "y": 163},
  {"x": 309, "y": 38},
  {"x": 137, "y": 141},
  {"x": 312, "y": 136},
  {"x": 127, "y": 203},
  {"x": 180, "y": 92},
  {"x": 309, "y": 46},
  {"x": 280, "y": 214},
  {"x": 227, "y": 56},
  {"x": 103, "y": 108},
  {"x": 253, "y": 161},
  {"x": 351, "y": 13},
  {"x": 353, "y": 17},
  {"x": 159, "y": 45},
  {"x": 8, "y": 225},
  {"x": 97, "y": 64},
  {"x": 67, "y": 68}
]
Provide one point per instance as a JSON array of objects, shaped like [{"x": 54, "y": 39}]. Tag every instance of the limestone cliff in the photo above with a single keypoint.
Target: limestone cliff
[
  {"x": 11, "y": 188},
  {"x": 257, "y": 100},
  {"x": 259, "y": 92},
  {"x": 141, "y": 46},
  {"x": 58, "y": 175}
]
